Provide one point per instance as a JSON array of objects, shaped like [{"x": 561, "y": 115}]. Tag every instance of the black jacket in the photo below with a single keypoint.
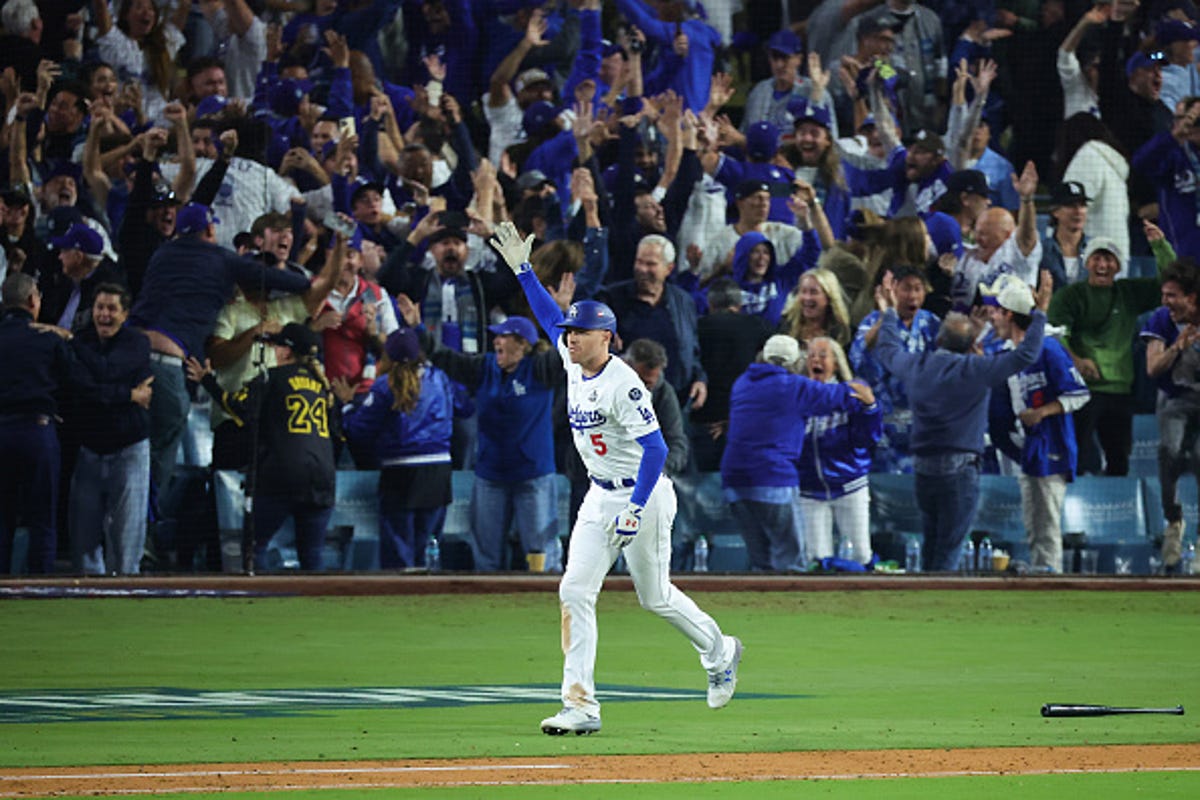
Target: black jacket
[
  {"x": 104, "y": 419},
  {"x": 33, "y": 366}
]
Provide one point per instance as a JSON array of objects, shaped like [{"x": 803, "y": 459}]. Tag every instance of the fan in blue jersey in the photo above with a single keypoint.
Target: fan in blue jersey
[{"x": 1030, "y": 421}]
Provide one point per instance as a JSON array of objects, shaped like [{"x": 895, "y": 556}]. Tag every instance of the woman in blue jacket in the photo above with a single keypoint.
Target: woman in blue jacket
[
  {"x": 408, "y": 416},
  {"x": 759, "y": 477},
  {"x": 835, "y": 461}
]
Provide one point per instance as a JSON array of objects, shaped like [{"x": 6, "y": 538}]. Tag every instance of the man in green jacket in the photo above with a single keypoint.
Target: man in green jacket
[{"x": 1101, "y": 318}]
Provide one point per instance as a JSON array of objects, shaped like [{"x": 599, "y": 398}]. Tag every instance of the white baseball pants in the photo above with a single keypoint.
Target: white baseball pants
[
  {"x": 852, "y": 512},
  {"x": 649, "y": 559}
]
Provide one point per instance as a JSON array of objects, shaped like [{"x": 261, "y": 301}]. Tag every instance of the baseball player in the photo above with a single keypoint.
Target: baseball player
[{"x": 629, "y": 507}]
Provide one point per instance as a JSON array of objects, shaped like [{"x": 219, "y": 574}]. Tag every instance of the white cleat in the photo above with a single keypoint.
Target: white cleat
[
  {"x": 571, "y": 720},
  {"x": 723, "y": 682}
]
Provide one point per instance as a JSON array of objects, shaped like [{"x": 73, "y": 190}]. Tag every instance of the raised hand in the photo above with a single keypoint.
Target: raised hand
[
  {"x": 581, "y": 121},
  {"x": 1153, "y": 232},
  {"x": 229, "y": 142},
  {"x": 720, "y": 91},
  {"x": 1044, "y": 291},
  {"x": 175, "y": 114},
  {"x": 535, "y": 31},
  {"x": 885, "y": 292},
  {"x": 982, "y": 82},
  {"x": 337, "y": 49},
  {"x": 818, "y": 75},
  {"x": 512, "y": 248},
  {"x": 1026, "y": 183},
  {"x": 672, "y": 110},
  {"x": 564, "y": 293},
  {"x": 802, "y": 211},
  {"x": 1099, "y": 13},
  {"x": 583, "y": 188}
]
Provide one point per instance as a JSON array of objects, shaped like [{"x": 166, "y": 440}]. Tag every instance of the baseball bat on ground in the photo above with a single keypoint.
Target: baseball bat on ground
[{"x": 1087, "y": 710}]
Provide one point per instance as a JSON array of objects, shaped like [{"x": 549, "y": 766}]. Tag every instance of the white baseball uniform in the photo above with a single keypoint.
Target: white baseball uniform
[{"x": 608, "y": 412}]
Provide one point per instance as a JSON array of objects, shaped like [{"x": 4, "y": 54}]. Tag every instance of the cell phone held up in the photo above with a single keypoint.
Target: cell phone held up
[
  {"x": 338, "y": 224},
  {"x": 454, "y": 219}
]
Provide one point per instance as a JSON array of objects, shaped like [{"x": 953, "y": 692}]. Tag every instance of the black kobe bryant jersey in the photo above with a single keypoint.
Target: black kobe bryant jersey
[{"x": 295, "y": 439}]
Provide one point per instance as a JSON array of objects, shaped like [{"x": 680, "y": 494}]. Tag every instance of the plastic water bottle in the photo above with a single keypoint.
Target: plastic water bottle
[
  {"x": 985, "y": 555},
  {"x": 966, "y": 564},
  {"x": 912, "y": 555},
  {"x": 1187, "y": 564},
  {"x": 701, "y": 555},
  {"x": 433, "y": 554},
  {"x": 845, "y": 549}
]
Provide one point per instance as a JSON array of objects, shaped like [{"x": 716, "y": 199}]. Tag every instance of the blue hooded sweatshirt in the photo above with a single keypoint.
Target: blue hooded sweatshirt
[{"x": 766, "y": 297}]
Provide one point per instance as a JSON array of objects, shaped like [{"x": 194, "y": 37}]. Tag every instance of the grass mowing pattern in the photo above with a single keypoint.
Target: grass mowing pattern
[{"x": 877, "y": 670}]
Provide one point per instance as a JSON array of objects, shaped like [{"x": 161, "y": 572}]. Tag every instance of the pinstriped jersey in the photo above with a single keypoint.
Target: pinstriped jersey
[{"x": 608, "y": 412}]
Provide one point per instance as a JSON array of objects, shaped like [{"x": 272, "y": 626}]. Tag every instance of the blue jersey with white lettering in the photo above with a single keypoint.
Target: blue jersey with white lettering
[
  {"x": 838, "y": 450},
  {"x": 1047, "y": 448}
]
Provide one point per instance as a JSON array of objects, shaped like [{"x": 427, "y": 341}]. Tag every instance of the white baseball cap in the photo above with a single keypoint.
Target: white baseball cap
[
  {"x": 1009, "y": 291},
  {"x": 1103, "y": 243},
  {"x": 782, "y": 347}
]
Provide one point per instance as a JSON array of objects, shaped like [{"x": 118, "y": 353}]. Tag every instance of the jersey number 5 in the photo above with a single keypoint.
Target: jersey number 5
[
  {"x": 598, "y": 444},
  {"x": 304, "y": 416}
]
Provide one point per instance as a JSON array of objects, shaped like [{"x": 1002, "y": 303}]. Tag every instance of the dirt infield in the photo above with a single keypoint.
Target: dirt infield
[{"x": 702, "y": 767}]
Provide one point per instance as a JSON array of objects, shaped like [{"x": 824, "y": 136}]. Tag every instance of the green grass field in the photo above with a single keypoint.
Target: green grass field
[{"x": 885, "y": 669}]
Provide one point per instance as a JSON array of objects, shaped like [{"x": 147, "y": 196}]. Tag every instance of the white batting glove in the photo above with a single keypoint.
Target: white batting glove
[
  {"x": 625, "y": 525},
  {"x": 515, "y": 251}
]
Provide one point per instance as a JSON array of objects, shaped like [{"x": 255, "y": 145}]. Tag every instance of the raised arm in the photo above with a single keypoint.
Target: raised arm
[
  {"x": 498, "y": 86},
  {"x": 1096, "y": 15},
  {"x": 102, "y": 17},
  {"x": 1026, "y": 185},
  {"x": 515, "y": 252}
]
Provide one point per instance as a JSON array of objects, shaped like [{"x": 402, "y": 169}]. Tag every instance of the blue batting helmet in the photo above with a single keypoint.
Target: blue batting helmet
[{"x": 590, "y": 315}]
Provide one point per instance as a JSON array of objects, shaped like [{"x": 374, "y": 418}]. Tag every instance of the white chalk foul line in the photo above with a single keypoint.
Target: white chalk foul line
[{"x": 69, "y": 776}]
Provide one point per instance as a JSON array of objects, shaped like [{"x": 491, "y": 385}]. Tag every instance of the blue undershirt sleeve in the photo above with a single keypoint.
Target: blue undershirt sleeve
[
  {"x": 544, "y": 308},
  {"x": 654, "y": 458}
]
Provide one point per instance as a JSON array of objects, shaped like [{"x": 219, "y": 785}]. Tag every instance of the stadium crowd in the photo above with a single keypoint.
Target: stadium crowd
[{"x": 289, "y": 203}]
